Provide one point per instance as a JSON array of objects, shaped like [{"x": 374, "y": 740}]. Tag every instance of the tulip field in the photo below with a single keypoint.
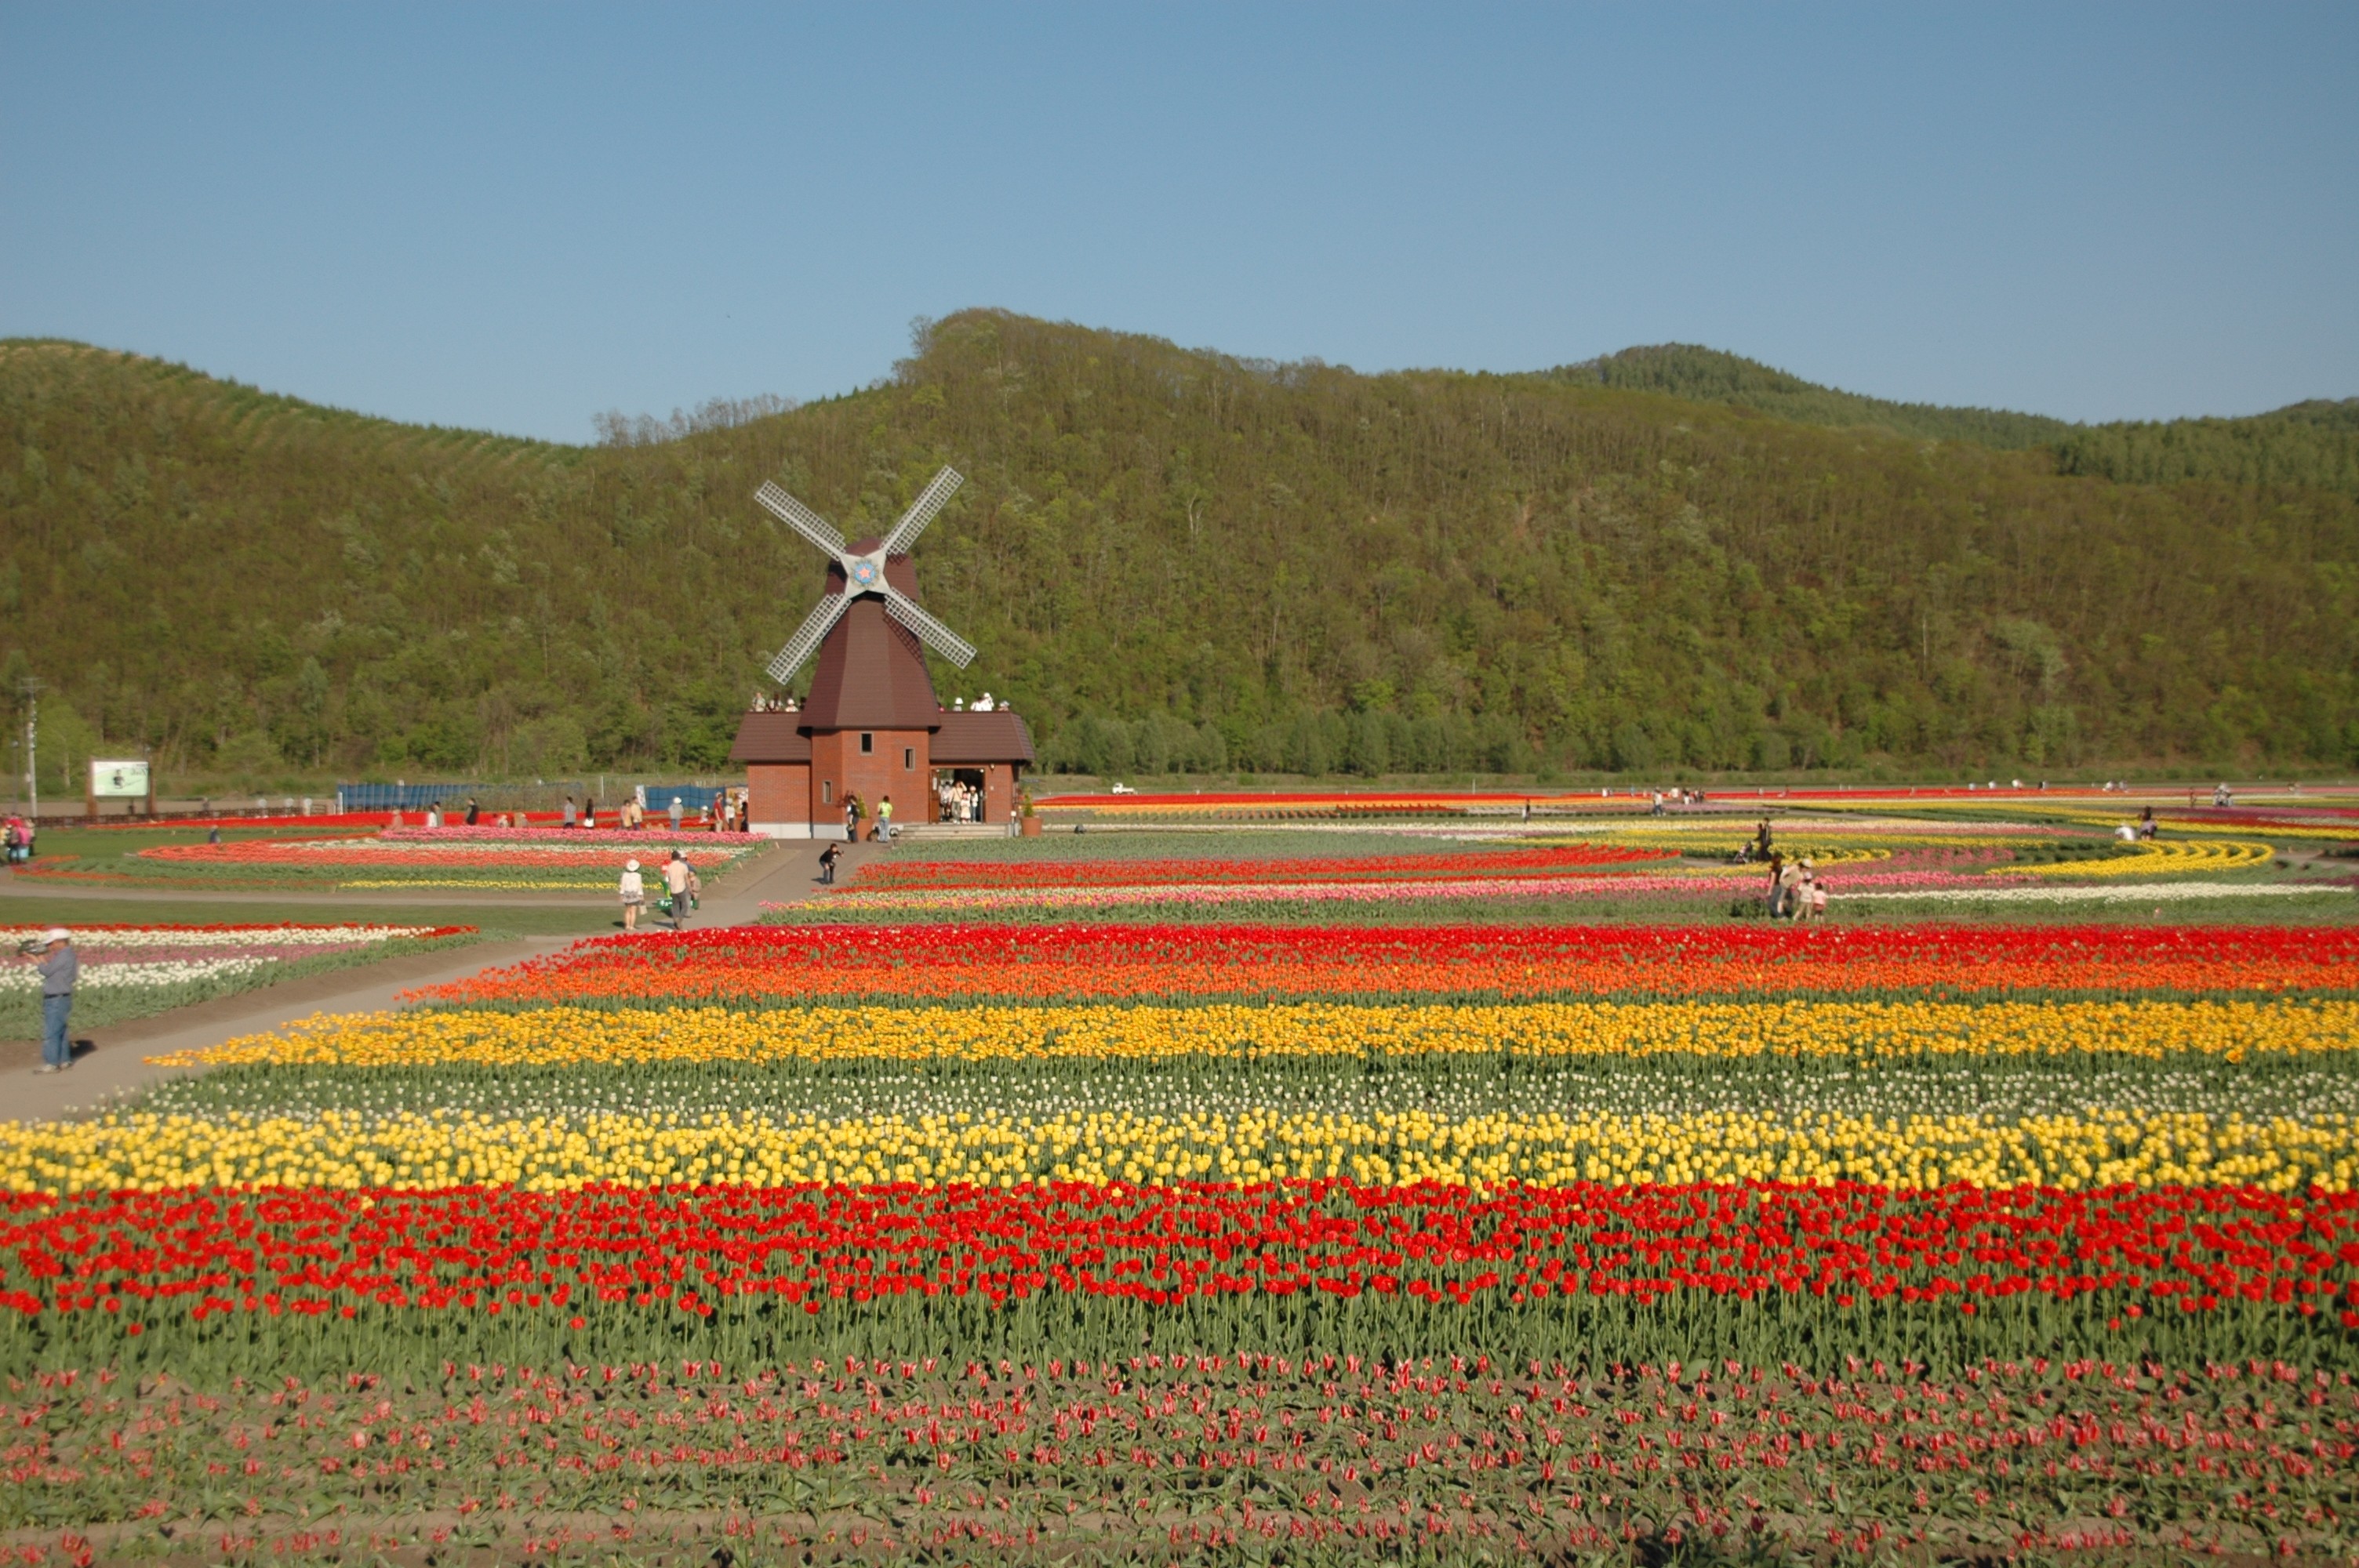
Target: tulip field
[
  {"x": 1609, "y": 867},
  {"x": 1151, "y": 1234},
  {"x": 133, "y": 971},
  {"x": 465, "y": 858}
]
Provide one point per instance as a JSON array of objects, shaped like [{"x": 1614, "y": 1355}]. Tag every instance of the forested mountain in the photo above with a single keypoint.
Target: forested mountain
[
  {"x": 1178, "y": 558},
  {"x": 1708, "y": 375},
  {"x": 2314, "y": 443}
]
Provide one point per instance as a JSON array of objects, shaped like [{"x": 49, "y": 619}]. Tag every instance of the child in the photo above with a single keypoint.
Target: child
[
  {"x": 634, "y": 892},
  {"x": 1818, "y": 902}
]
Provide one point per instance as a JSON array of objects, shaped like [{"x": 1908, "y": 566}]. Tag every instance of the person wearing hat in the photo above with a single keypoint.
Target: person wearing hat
[
  {"x": 634, "y": 892},
  {"x": 58, "y": 967}
]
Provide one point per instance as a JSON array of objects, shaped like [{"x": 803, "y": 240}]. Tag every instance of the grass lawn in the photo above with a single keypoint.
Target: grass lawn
[
  {"x": 111, "y": 858},
  {"x": 494, "y": 920}
]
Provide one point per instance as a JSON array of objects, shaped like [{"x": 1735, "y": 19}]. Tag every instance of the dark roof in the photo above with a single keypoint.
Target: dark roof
[
  {"x": 771, "y": 738},
  {"x": 966, "y": 739},
  {"x": 872, "y": 669},
  {"x": 962, "y": 739}
]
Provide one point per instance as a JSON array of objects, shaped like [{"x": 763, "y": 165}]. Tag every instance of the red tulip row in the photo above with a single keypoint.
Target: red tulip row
[
  {"x": 143, "y": 1259},
  {"x": 1099, "y": 960}
]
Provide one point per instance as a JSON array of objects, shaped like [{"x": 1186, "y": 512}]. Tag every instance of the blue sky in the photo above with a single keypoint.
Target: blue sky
[{"x": 512, "y": 217}]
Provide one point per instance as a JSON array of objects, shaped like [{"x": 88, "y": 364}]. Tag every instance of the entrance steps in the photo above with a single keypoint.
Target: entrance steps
[{"x": 935, "y": 831}]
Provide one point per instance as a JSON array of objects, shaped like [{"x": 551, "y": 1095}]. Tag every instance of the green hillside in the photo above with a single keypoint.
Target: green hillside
[
  {"x": 2314, "y": 443},
  {"x": 1178, "y": 558},
  {"x": 1708, "y": 375}
]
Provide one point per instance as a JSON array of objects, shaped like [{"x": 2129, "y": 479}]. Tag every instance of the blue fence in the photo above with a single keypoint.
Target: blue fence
[
  {"x": 418, "y": 796},
  {"x": 693, "y": 799},
  {"x": 403, "y": 797}
]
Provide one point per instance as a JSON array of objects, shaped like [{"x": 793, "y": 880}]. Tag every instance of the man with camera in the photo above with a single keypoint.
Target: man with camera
[{"x": 58, "y": 968}]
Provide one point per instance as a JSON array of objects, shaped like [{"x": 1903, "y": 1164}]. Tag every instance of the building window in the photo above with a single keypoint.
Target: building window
[
  {"x": 909, "y": 758},
  {"x": 867, "y": 743},
  {"x": 827, "y": 792}
]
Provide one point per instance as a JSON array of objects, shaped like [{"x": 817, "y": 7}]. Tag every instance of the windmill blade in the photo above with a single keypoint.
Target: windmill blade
[
  {"x": 808, "y": 636},
  {"x": 931, "y": 631},
  {"x": 801, "y": 518},
  {"x": 921, "y": 512}
]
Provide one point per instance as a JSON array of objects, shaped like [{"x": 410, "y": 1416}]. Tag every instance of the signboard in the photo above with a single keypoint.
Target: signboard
[{"x": 118, "y": 781}]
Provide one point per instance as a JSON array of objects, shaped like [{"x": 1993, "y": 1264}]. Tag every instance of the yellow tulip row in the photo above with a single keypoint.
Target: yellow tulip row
[
  {"x": 566, "y": 1036},
  {"x": 347, "y": 1149},
  {"x": 2182, "y": 822},
  {"x": 1813, "y": 838},
  {"x": 2155, "y": 857}
]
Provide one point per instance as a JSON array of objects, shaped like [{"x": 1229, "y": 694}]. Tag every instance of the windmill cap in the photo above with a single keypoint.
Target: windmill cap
[
  {"x": 56, "y": 934},
  {"x": 630, "y": 865}
]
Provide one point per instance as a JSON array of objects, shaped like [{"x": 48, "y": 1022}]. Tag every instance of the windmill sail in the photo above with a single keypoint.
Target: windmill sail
[
  {"x": 801, "y": 518},
  {"x": 863, "y": 574},
  {"x": 921, "y": 512},
  {"x": 933, "y": 633},
  {"x": 808, "y": 636}
]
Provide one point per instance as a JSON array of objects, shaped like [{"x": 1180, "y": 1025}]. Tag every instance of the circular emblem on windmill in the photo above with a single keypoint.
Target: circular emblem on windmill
[{"x": 865, "y": 573}]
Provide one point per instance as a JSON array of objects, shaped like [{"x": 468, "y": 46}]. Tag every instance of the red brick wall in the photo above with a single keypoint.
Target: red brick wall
[
  {"x": 898, "y": 766},
  {"x": 998, "y": 792},
  {"x": 779, "y": 791}
]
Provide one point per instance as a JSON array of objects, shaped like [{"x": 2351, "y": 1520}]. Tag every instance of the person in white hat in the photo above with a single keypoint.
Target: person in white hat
[
  {"x": 635, "y": 893},
  {"x": 59, "y": 966}
]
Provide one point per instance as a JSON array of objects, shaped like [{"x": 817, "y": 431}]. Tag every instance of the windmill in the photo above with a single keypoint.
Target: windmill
[
  {"x": 862, "y": 566},
  {"x": 871, "y": 730}
]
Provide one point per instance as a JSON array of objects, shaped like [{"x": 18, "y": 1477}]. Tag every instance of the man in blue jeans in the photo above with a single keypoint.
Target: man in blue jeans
[{"x": 58, "y": 968}]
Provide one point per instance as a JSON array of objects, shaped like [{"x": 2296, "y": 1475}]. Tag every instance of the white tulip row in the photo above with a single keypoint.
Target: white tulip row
[
  {"x": 225, "y": 935},
  {"x": 170, "y": 972}
]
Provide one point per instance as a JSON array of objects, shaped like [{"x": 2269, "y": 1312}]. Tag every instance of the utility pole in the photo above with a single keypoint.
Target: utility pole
[{"x": 31, "y": 686}]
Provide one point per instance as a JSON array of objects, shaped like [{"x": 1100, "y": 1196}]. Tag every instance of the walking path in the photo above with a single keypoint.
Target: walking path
[
  {"x": 109, "y": 1061},
  {"x": 111, "y": 1064}
]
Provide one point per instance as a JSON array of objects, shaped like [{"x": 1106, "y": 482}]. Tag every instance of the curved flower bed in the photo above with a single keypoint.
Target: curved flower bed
[
  {"x": 2165, "y": 858},
  {"x": 457, "y": 858},
  {"x": 949, "y": 873},
  {"x": 1714, "y": 885}
]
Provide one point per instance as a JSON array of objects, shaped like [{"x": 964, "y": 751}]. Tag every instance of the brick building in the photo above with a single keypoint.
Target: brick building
[{"x": 873, "y": 727}]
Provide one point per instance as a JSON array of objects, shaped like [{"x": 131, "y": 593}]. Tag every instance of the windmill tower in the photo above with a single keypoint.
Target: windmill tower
[{"x": 872, "y": 725}]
